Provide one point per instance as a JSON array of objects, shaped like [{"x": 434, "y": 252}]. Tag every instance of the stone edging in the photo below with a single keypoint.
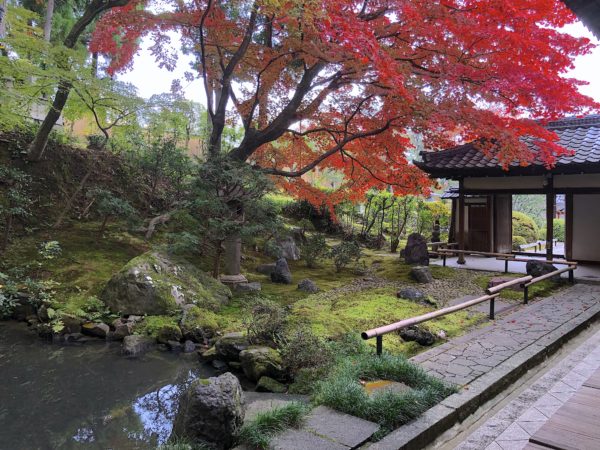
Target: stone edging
[{"x": 456, "y": 408}]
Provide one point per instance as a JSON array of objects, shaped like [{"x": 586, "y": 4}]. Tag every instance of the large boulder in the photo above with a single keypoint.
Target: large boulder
[
  {"x": 153, "y": 284},
  {"x": 268, "y": 384},
  {"x": 229, "y": 346},
  {"x": 421, "y": 274},
  {"x": 539, "y": 268},
  {"x": 99, "y": 330},
  {"x": 259, "y": 361},
  {"x": 285, "y": 247},
  {"x": 281, "y": 273},
  {"x": 416, "y": 251},
  {"x": 210, "y": 412}
]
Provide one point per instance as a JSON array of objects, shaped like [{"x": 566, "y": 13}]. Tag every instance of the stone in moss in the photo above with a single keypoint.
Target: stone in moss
[
  {"x": 267, "y": 384},
  {"x": 198, "y": 325},
  {"x": 168, "y": 333},
  {"x": 259, "y": 361},
  {"x": 154, "y": 284},
  {"x": 209, "y": 355},
  {"x": 230, "y": 345}
]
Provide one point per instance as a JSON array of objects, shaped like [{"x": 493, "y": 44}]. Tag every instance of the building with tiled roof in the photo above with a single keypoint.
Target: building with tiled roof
[{"x": 483, "y": 201}]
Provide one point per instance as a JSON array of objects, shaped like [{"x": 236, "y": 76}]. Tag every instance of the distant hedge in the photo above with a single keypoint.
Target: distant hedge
[
  {"x": 559, "y": 229},
  {"x": 524, "y": 226}
]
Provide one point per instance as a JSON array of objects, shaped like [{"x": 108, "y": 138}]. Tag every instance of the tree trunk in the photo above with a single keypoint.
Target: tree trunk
[
  {"x": 48, "y": 21},
  {"x": 103, "y": 226},
  {"x": 95, "y": 64},
  {"x": 93, "y": 10},
  {"x": 7, "y": 230},
  {"x": 3, "y": 11},
  {"x": 71, "y": 199},
  {"x": 217, "y": 261}
]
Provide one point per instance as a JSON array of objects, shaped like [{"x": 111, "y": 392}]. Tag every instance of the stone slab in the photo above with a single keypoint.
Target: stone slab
[
  {"x": 303, "y": 440},
  {"x": 339, "y": 427}
]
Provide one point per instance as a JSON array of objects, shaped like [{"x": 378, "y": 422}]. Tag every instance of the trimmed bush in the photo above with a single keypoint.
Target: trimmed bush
[
  {"x": 523, "y": 225},
  {"x": 517, "y": 241},
  {"x": 559, "y": 229}
]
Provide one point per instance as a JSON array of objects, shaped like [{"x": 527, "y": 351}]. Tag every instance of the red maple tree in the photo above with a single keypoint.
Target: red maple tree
[{"x": 342, "y": 83}]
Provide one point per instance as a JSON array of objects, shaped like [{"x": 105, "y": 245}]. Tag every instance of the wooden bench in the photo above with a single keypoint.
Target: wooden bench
[{"x": 576, "y": 424}]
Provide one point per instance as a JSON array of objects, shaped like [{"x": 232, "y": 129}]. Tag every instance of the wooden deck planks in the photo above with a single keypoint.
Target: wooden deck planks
[{"x": 576, "y": 424}]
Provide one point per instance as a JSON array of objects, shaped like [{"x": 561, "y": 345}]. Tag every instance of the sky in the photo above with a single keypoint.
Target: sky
[{"x": 149, "y": 79}]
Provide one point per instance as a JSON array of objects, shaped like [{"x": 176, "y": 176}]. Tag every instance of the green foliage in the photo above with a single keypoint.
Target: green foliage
[
  {"x": 559, "y": 229},
  {"x": 304, "y": 350},
  {"x": 261, "y": 430},
  {"x": 524, "y": 226},
  {"x": 107, "y": 205},
  {"x": 345, "y": 253},
  {"x": 517, "y": 241},
  {"x": 532, "y": 205},
  {"x": 314, "y": 249},
  {"x": 153, "y": 325},
  {"x": 79, "y": 306},
  {"x": 343, "y": 391},
  {"x": 265, "y": 321},
  {"x": 15, "y": 200}
]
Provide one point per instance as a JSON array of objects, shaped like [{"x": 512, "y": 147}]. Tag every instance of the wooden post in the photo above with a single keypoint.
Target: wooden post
[
  {"x": 550, "y": 224},
  {"x": 461, "y": 222}
]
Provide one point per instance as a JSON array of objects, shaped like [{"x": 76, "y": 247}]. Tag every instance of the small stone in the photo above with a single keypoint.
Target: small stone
[
  {"x": 169, "y": 333},
  {"x": 267, "y": 384},
  {"x": 249, "y": 287},
  {"x": 258, "y": 361},
  {"x": 421, "y": 274},
  {"x": 419, "y": 335},
  {"x": 209, "y": 355},
  {"x": 122, "y": 329},
  {"x": 136, "y": 345},
  {"x": 282, "y": 273},
  {"x": 410, "y": 293},
  {"x": 230, "y": 345},
  {"x": 174, "y": 346},
  {"x": 189, "y": 347},
  {"x": 441, "y": 334},
  {"x": 308, "y": 285},
  {"x": 219, "y": 365},
  {"x": 266, "y": 269},
  {"x": 99, "y": 330}
]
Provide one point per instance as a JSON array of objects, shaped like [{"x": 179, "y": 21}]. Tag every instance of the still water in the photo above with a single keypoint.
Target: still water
[{"x": 86, "y": 396}]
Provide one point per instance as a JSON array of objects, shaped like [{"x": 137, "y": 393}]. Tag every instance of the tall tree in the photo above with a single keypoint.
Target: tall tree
[
  {"x": 342, "y": 83},
  {"x": 92, "y": 11},
  {"x": 48, "y": 21}
]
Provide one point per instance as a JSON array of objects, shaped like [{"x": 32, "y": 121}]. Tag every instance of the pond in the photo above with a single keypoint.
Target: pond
[{"x": 86, "y": 396}]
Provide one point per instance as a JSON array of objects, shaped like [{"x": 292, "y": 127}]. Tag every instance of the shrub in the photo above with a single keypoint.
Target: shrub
[
  {"x": 304, "y": 350},
  {"x": 523, "y": 225},
  {"x": 344, "y": 253},
  {"x": 265, "y": 322},
  {"x": 260, "y": 431},
  {"x": 559, "y": 229},
  {"x": 108, "y": 206},
  {"x": 517, "y": 241},
  {"x": 313, "y": 250}
]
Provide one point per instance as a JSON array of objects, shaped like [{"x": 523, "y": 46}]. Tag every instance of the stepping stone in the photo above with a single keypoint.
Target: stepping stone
[
  {"x": 374, "y": 387},
  {"x": 339, "y": 427},
  {"x": 303, "y": 440},
  {"x": 261, "y": 402}
]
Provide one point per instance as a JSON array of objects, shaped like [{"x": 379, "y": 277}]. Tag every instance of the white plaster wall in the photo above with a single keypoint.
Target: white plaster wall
[{"x": 586, "y": 223}]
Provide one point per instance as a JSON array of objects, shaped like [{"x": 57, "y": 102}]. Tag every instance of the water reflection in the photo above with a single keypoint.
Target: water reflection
[{"x": 86, "y": 397}]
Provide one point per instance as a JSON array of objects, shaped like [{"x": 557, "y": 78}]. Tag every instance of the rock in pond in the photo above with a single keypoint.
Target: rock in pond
[
  {"x": 99, "y": 330},
  {"x": 189, "y": 347},
  {"x": 419, "y": 335},
  {"x": 136, "y": 345},
  {"x": 122, "y": 328},
  {"x": 259, "y": 361},
  {"x": 416, "y": 251},
  {"x": 268, "y": 384},
  {"x": 308, "y": 285},
  {"x": 154, "y": 284},
  {"x": 421, "y": 274},
  {"x": 229, "y": 346},
  {"x": 281, "y": 273},
  {"x": 210, "y": 412},
  {"x": 169, "y": 333}
]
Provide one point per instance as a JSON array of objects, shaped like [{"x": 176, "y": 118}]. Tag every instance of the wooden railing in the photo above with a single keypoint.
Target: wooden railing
[{"x": 491, "y": 294}]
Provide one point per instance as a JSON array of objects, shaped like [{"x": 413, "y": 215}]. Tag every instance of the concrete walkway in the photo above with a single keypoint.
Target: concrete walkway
[
  {"x": 584, "y": 272},
  {"x": 466, "y": 358},
  {"x": 515, "y": 423}
]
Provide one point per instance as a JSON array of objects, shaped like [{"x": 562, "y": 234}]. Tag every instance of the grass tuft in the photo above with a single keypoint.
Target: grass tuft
[
  {"x": 260, "y": 431},
  {"x": 343, "y": 391}
]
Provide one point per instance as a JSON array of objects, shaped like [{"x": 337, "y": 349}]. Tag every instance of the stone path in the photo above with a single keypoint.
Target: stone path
[
  {"x": 466, "y": 358},
  {"x": 514, "y": 424}
]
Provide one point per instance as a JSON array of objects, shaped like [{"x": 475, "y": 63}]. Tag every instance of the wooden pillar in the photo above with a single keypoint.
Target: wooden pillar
[
  {"x": 461, "y": 222},
  {"x": 550, "y": 201},
  {"x": 569, "y": 226}
]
